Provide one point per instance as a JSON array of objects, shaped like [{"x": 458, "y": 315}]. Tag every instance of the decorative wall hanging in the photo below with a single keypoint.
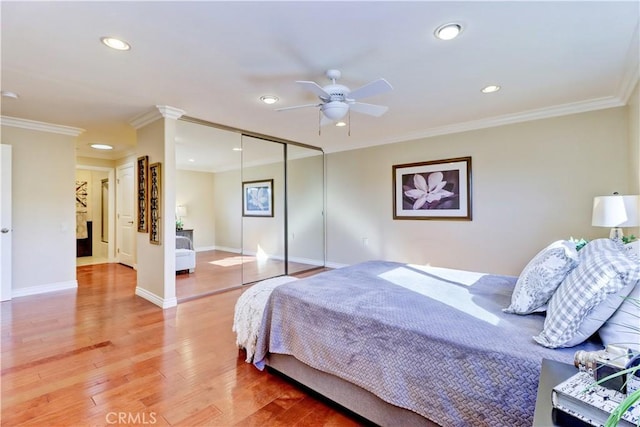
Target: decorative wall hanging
[
  {"x": 155, "y": 190},
  {"x": 257, "y": 198},
  {"x": 143, "y": 196},
  {"x": 82, "y": 231},
  {"x": 439, "y": 189}
]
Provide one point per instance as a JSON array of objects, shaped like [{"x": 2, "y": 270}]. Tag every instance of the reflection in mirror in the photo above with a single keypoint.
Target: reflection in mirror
[
  {"x": 208, "y": 178},
  {"x": 305, "y": 206},
  {"x": 263, "y": 213},
  {"x": 236, "y": 207}
]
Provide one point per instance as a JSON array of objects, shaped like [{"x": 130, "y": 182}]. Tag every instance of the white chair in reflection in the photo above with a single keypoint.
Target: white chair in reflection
[{"x": 185, "y": 255}]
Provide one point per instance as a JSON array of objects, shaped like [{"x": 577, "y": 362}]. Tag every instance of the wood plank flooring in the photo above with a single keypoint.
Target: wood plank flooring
[
  {"x": 216, "y": 270},
  {"x": 103, "y": 356}
]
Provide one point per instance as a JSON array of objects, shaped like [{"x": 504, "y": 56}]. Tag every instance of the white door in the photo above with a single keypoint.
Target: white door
[
  {"x": 5, "y": 222},
  {"x": 125, "y": 216}
]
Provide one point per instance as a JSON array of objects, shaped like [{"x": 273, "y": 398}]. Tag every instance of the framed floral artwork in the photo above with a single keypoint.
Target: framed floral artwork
[
  {"x": 438, "y": 189},
  {"x": 257, "y": 198}
]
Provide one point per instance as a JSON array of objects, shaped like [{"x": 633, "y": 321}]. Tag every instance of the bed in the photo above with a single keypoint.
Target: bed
[{"x": 402, "y": 344}]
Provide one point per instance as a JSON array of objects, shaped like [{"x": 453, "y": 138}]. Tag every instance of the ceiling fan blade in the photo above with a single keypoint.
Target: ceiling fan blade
[
  {"x": 297, "y": 106},
  {"x": 315, "y": 88},
  {"x": 370, "y": 109},
  {"x": 374, "y": 88}
]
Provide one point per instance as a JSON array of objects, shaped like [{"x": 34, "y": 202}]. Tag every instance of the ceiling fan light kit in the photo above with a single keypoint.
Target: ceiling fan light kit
[
  {"x": 337, "y": 100},
  {"x": 334, "y": 110}
]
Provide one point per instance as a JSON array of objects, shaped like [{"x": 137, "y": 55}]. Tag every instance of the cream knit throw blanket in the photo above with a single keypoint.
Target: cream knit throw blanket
[{"x": 248, "y": 312}]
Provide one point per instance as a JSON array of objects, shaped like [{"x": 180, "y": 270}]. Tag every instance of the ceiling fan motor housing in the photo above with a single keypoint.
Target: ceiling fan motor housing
[{"x": 337, "y": 92}]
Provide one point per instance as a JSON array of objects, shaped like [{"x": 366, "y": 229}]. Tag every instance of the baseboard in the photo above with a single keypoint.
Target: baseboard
[
  {"x": 155, "y": 299},
  {"x": 227, "y": 249},
  {"x": 43, "y": 289},
  {"x": 205, "y": 248},
  {"x": 335, "y": 265}
]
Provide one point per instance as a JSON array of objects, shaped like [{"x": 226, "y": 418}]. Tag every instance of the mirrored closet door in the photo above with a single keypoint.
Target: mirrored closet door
[
  {"x": 208, "y": 179},
  {"x": 251, "y": 207},
  {"x": 263, "y": 209}
]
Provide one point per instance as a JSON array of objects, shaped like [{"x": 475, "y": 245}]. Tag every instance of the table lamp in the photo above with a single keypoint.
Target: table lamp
[{"x": 615, "y": 211}]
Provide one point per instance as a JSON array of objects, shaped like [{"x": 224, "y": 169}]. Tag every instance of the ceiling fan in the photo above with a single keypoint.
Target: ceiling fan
[{"x": 337, "y": 100}]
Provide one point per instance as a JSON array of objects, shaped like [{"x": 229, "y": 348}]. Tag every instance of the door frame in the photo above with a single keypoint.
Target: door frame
[
  {"x": 6, "y": 285},
  {"x": 111, "y": 244}
]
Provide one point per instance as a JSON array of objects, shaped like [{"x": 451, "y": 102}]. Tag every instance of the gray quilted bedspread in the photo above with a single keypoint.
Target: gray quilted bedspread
[{"x": 434, "y": 341}]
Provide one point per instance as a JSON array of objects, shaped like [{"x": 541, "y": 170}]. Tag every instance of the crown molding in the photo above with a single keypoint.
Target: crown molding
[
  {"x": 160, "y": 111},
  {"x": 525, "y": 116},
  {"x": 39, "y": 126}
]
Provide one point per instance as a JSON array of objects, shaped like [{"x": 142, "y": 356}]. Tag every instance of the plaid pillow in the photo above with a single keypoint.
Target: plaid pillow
[
  {"x": 589, "y": 295},
  {"x": 541, "y": 276}
]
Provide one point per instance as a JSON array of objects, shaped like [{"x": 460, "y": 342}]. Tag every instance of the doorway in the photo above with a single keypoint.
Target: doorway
[{"x": 95, "y": 218}]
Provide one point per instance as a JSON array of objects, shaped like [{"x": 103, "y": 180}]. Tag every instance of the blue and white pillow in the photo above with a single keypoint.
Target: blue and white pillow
[
  {"x": 541, "y": 276},
  {"x": 590, "y": 294}
]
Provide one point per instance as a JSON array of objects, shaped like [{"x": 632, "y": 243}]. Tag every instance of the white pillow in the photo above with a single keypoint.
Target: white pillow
[
  {"x": 541, "y": 277},
  {"x": 623, "y": 328},
  {"x": 589, "y": 295}
]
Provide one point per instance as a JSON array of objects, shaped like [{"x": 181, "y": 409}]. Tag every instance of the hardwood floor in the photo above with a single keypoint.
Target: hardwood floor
[
  {"x": 217, "y": 270},
  {"x": 102, "y": 356}
]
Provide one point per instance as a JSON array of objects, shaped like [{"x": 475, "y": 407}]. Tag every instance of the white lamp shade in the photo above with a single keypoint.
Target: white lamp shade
[
  {"x": 615, "y": 211},
  {"x": 631, "y": 207},
  {"x": 181, "y": 211}
]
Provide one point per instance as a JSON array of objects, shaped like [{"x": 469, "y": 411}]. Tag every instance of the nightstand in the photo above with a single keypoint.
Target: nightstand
[
  {"x": 186, "y": 232},
  {"x": 552, "y": 374}
]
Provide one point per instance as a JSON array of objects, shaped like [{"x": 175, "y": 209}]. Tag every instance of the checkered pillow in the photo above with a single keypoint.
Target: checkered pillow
[
  {"x": 541, "y": 276},
  {"x": 589, "y": 295}
]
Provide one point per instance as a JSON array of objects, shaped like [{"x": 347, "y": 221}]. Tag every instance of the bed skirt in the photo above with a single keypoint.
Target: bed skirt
[{"x": 346, "y": 394}]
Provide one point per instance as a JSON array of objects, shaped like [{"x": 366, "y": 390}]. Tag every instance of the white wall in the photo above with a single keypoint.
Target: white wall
[
  {"x": 156, "y": 262},
  {"x": 228, "y": 210},
  {"x": 634, "y": 140},
  {"x": 43, "y": 207},
  {"x": 195, "y": 190},
  {"x": 532, "y": 183}
]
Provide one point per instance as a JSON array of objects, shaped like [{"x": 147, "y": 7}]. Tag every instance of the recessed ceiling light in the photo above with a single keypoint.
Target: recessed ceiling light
[
  {"x": 101, "y": 146},
  {"x": 237, "y": 149},
  {"x": 192, "y": 160},
  {"x": 448, "y": 31},
  {"x": 115, "y": 43},
  {"x": 269, "y": 99},
  {"x": 341, "y": 124},
  {"x": 8, "y": 94},
  {"x": 490, "y": 89}
]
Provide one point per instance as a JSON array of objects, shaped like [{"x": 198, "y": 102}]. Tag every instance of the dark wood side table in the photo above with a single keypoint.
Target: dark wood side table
[{"x": 552, "y": 374}]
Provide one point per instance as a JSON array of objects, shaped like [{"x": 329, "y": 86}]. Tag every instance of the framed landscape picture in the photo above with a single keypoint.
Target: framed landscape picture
[
  {"x": 438, "y": 189},
  {"x": 257, "y": 198}
]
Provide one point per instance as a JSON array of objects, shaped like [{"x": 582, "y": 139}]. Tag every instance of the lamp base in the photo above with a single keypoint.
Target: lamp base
[{"x": 616, "y": 233}]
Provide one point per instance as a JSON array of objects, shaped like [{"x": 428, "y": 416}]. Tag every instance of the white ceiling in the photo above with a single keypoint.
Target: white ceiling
[{"x": 215, "y": 59}]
